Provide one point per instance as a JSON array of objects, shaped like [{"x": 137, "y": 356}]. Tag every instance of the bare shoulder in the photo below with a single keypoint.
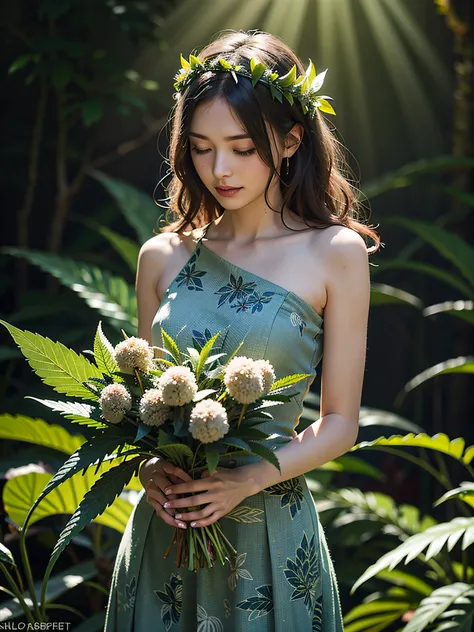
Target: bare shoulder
[{"x": 343, "y": 248}]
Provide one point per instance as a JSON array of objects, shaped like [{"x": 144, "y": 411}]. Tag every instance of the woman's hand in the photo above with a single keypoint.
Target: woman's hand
[
  {"x": 223, "y": 490},
  {"x": 162, "y": 475}
]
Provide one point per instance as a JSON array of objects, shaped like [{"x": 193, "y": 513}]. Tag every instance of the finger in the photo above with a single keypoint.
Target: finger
[
  {"x": 198, "y": 485},
  {"x": 196, "y": 515},
  {"x": 157, "y": 495},
  {"x": 169, "y": 468},
  {"x": 190, "y": 501},
  {"x": 164, "y": 515},
  {"x": 207, "y": 521}
]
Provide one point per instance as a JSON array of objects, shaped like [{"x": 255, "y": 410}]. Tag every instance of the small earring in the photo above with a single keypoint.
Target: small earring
[{"x": 287, "y": 165}]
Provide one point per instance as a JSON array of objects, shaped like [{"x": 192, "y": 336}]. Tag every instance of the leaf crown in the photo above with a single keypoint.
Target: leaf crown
[{"x": 303, "y": 88}]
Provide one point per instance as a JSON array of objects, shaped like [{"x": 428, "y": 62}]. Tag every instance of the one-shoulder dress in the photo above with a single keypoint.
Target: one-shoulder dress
[{"x": 282, "y": 578}]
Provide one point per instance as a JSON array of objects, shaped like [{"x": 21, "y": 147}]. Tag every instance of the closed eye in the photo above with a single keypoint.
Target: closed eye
[{"x": 248, "y": 152}]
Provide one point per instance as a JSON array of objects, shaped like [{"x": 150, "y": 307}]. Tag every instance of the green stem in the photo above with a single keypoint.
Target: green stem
[
  {"x": 9, "y": 592},
  {"x": 242, "y": 412},
  {"x": 17, "y": 593},
  {"x": 29, "y": 575},
  {"x": 61, "y": 606},
  {"x": 203, "y": 547}
]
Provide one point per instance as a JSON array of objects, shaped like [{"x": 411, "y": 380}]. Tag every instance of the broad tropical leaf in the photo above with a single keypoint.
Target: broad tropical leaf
[
  {"x": 125, "y": 247},
  {"x": 59, "y": 367},
  {"x": 453, "y": 604},
  {"x": 376, "y": 614},
  {"x": 21, "y": 492},
  {"x": 111, "y": 296},
  {"x": 462, "y": 364},
  {"x": 434, "y": 538},
  {"x": 461, "y": 309},
  {"x": 439, "y": 442},
  {"x": 38, "y": 432}
]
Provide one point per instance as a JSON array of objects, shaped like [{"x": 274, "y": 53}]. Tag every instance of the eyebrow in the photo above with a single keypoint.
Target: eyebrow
[{"x": 228, "y": 138}]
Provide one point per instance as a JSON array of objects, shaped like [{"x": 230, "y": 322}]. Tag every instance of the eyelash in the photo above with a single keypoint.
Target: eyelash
[{"x": 249, "y": 152}]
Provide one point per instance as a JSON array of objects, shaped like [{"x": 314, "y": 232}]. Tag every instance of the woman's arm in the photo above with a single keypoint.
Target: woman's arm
[
  {"x": 150, "y": 267},
  {"x": 343, "y": 364}
]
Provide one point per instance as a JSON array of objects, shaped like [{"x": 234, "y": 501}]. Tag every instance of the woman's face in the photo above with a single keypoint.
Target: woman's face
[{"x": 225, "y": 157}]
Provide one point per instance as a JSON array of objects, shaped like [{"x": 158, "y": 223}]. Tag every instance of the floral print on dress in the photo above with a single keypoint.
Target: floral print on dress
[
  {"x": 236, "y": 572},
  {"x": 130, "y": 593},
  {"x": 317, "y": 620},
  {"x": 260, "y": 605},
  {"x": 291, "y": 493},
  {"x": 245, "y": 295},
  {"x": 303, "y": 573},
  {"x": 172, "y": 599},
  {"x": 297, "y": 321},
  {"x": 207, "y": 623},
  {"x": 191, "y": 277}
]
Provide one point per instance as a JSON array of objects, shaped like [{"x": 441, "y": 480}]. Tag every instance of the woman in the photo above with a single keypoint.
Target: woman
[{"x": 266, "y": 248}]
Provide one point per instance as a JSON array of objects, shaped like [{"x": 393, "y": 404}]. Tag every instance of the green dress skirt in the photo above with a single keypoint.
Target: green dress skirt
[{"x": 281, "y": 579}]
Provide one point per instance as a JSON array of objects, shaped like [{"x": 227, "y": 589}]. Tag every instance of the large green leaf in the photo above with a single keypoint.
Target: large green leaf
[
  {"x": 125, "y": 247},
  {"x": 465, "y": 492},
  {"x": 102, "y": 494},
  {"x": 409, "y": 173},
  {"x": 111, "y": 296},
  {"x": 38, "y": 432},
  {"x": 434, "y": 538},
  {"x": 462, "y": 309},
  {"x": 59, "y": 367},
  {"x": 138, "y": 207},
  {"x": 77, "y": 412},
  {"x": 449, "y": 245},
  {"x": 59, "y": 584},
  {"x": 377, "y": 614},
  {"x": 6, "y": 555},
  {"x": 89, "y": 454},
  {"x": 21, "y": 492},
  {"x": 425, "y": 268},
  {"x": 383, "y": 294},
  {"x": 448, "y": 607},
  {"x": 462, "y": 364},
  {"x": 438, "y": 442}
]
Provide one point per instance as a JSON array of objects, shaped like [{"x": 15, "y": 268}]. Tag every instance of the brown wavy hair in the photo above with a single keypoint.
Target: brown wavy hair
[{"x": 315, "y": 186}]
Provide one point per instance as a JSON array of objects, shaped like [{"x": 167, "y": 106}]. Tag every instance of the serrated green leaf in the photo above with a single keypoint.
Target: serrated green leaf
[
  {"x": 102, "y": 494},
  {"x": 203, "y": 356},
  {"x": 171, "y": 346},
  {"x": 111, "y": 296},
  {"x": 265, "y": 453},
  {"x": 104, "y": 353},
  {"x": 77, "y": 412},
  {"x": 448, "y": 607},
  {"x": 289, "y": 380},
  {"x": 55, "y": 364}
]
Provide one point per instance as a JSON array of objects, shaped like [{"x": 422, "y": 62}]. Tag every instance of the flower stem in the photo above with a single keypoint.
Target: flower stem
[{"x": 242, "y": 412}]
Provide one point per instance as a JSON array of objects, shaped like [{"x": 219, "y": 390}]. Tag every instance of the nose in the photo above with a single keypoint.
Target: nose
[{"x": 222, "y": 166}]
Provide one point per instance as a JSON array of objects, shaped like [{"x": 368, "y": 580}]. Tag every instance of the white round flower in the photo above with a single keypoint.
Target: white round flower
[
  {"x": 115, "y": 401},
  {"x": 208, "y": 421},
  {"x": 177, "y": 385},
  {"x": 243, "y": 379},
  {"x": 268, "y": 374},
  {"x": 153, "y": 412},
  {"x": 134, "y": 353}
]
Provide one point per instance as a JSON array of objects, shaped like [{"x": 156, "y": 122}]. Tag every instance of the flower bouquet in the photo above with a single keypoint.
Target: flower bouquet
[{"x": 189, "y": 407}]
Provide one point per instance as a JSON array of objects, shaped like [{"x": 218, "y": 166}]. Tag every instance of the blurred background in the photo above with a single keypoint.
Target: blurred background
[{"x": 86, "y": 91}]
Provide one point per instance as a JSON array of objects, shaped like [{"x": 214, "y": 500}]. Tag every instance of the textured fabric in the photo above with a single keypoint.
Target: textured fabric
[{"x": 282, "y": 578}]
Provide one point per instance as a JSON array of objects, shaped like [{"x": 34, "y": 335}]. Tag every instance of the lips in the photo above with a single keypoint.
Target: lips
[{"x": 227, "y": 191}]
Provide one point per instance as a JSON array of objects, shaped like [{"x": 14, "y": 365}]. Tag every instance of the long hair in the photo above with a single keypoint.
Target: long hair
[{"x": 315, "y": 186}]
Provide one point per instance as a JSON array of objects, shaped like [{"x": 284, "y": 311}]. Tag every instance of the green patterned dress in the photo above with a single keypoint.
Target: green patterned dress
[{"x": 282, "y": 578}]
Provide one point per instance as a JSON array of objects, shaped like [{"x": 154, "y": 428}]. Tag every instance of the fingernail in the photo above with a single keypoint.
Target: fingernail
[
  {"x": 168, "y": 490},
  {"x": 166, "y": 505},
  {"x": 193, "y": 524},
  {"x": 182, "y": 525},
  {"x": 178, "y": 516}
]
